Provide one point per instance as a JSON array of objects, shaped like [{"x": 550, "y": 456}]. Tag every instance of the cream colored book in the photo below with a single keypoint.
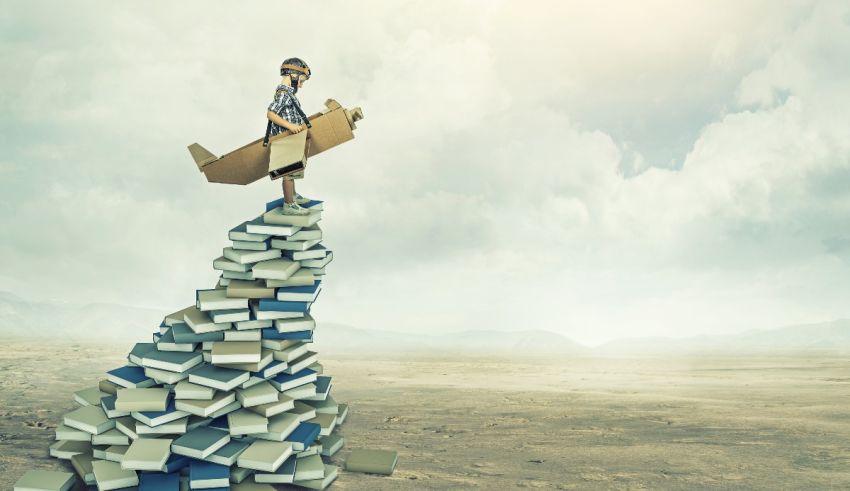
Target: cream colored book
[
  {"x": 82, "y": 464},
  {"x": 246, "y": 335},
  {"x": 127, "y": 425},
  {"x": 261, "y": 393},
  {"x": 277, "y": 217},
  {"x": 287, "y": 350},
  {"x": 280, "y": 427},
  {"x": 110, "y": 475},
  {"x": 110, "y": 437},
  {"x": 147, "y": 454},
  {"x": 341, "y": 414},
  {"x": 249, "y": 289},
  {"x": 302, "y": 362},
  {"x": 148, "y": 399},
  {"x": 41, "y": 480},
  {"x": 302, "y": 277},
  {"x": 108, "y": 387},
  {"x": 176, "y": 427},
  {"x": 326, "y": 421},
  {"x": 303, "y": 411},
  {"x": 244, "y": 422},
  {"x": 201, "y": 323},
  {"x": 266, "y": 357},
  {"x": 282, "y": 404},
  {"x": 233, "y": 406},
  {"x": 313, "y": 449},
  {"x": 165, "y": 376},
  {"x": 301, "y": 392},
  {"x": 241, "y": 256},
  {"x": 265, "y": 455},
  {"x": 293, "y": 245},
  {"x": 331, "y": 472},
  {"x": 188, "y": 390},
  {"x": 89, "y": 397},
  {"x": 306, "y": 323},
  {"x": 177, "y": 317},
  {"x": 65, "y": 449},
  {"x": 218, "y": 300},
  {"x": 309, "y": 468},
  {"x": 372, "y": 461},
  {"x": 115, "y": 453},
  {"x": 331, "y": 444},
  {"x": 206, "y": 408},
  {"x": 236, "y": 352},
  {"x": 91, "y": 419},
  {"x": 64, "y": 432},
  {"x": 253, "y": 324},
  {"x": 317, "y": 367},
  {"x": 225, "y": 265},
  {"x": 275, "y": 269},
  {"x": 329, "y": 405}
]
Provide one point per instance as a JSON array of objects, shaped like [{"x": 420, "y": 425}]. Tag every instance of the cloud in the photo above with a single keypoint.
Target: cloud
[{"x": 595, "y": 174}]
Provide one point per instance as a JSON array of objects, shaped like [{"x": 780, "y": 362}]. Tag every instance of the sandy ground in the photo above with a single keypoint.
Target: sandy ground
[{"x": 778, "y": 422}]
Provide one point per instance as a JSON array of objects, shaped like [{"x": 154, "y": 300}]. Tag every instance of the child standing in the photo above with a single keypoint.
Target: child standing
[{"x": 285, "y": 114}]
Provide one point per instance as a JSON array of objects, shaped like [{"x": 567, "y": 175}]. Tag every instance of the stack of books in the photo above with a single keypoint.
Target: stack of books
[{"x": 228, "y": 393}]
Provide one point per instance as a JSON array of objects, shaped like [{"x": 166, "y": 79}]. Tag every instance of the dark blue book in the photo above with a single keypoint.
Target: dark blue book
[
  {"x": 220, "y": 423},
  {"x": 205, "y": 475},
  {"x": 156, "y": 418},
  {"x": 305, "y": 434},
  {"x": 271, "y": 333},
  {"x": 184, "y": 334},
  {"x": 176, "y": 462},
  {"x": 283, "y": 306},
  {"x": 129, "y": 376},
  {"x": 274, "y": 367},
  {"x": 323, "y": 384},
  {"x": 285, "y": 381},
  {"x": 157, "y": 481}
]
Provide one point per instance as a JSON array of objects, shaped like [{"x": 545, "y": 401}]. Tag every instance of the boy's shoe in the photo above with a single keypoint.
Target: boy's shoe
[
  {"x": 301, "y": 199},
  {"x": 294, "y": 209}
]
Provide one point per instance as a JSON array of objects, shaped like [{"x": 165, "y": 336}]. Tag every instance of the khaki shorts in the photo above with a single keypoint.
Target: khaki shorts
[{"x": 286, "y": 151}]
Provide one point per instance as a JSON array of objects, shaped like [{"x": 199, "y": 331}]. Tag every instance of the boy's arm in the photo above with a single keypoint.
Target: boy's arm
[{"x": 276, "y": 119}]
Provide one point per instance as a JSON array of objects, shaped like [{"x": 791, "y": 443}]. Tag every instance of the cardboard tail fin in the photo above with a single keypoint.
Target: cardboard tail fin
[{"x": 201, "y": 155}]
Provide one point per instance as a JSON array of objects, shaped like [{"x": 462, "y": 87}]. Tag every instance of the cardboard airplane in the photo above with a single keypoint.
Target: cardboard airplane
[{"x": 250, "y": 163}]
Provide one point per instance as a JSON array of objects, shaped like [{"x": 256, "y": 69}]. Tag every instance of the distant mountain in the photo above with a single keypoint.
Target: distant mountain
[
  {"x": 339, "y": 338},
  {"x": 824, "y": 336},
  {"x": 108, "y": 322}
]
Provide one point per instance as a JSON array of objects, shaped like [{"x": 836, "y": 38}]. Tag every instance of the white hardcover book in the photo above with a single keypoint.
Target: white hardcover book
[
  {"x": 293, "y": 245},
  {"x": 306, "y": 323},
  {"x": 302, "y": 277},
  {"x": 240, "y": 245},
  {"x": 208, "y": 300},
  {"x": 248, "y": 257},
  {"x": 318, "y": 251},
  {"x": 223, "y": 264},
  {"x": 313, "y": 232},
  {"x": 241, "y": 233},
  {"x": 318, "y": 263},
  {"x": 236, "y": 275},
  {"x": 277, "y": 217},
  {"x": 275, "y": 269},
  {"x": 253, "y": 324},
  {"x": 259, "y": 226}
]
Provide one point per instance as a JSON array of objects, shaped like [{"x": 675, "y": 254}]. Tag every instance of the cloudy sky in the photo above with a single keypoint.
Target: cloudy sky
[{"x": 598, "y": 169}]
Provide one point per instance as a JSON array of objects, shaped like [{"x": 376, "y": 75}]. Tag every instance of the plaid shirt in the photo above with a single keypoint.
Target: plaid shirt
[{"x": 284, "y": 105}]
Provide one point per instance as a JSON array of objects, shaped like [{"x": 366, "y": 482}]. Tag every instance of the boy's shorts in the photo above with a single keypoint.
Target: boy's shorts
[{"x": 286, "y": 151}]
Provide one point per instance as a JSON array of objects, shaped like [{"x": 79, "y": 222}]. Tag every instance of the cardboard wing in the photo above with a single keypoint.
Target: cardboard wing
[{"x": 249, "y": 163}]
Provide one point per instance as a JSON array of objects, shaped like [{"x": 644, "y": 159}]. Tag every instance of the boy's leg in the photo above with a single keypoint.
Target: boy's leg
[{"x": 288, "y": 190}]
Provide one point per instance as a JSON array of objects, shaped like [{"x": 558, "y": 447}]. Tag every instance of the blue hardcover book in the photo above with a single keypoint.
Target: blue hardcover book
[
  {"x": 283, "y": 306},
  {"x": 271, "y": 333},
  {"x": 205, "y": 475},
  {"x": 305, "y": 434},
  {"x": 274, "y": 367},
  {"x": 156, "y": 418},
  {"x": 184, "y": 334},
  {"x": 131, "y": 377},
  {"x": 323, "y": 384},
  {"x": 157, "y": 481},
  {"x": 220, "y": 423},
  {"x": 176, "y": 462},
  {"x": 301, "y": 289},
  {"x": 286, "y": 378}
]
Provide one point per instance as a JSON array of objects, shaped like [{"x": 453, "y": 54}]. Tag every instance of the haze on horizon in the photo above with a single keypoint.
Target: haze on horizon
[{"x": 600, "y": 171}]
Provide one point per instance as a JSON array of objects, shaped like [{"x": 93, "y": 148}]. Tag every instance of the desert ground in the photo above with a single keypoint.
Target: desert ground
[{"x": 670, "y": 422}]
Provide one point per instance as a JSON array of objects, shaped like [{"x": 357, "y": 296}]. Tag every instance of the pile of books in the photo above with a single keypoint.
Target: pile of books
[{"x": 228, "y": 395}]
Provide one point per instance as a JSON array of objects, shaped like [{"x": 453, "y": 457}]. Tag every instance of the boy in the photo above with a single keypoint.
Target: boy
[{"x": 285, "y": 114}]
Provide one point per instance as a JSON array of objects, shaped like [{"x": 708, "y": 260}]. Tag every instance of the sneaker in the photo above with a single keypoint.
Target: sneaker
[
  {"x": 294, "y": 209},
  {"x": 301, "y": 199}
]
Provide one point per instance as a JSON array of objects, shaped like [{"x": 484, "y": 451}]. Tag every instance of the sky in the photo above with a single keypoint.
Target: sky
[{"x": 597, "y": 169}]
